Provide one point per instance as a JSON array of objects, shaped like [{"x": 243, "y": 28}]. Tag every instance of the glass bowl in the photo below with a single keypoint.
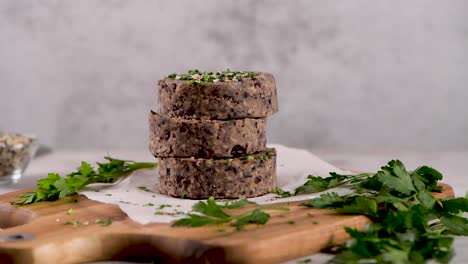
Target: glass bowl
[{"x": 16, "y": 151}]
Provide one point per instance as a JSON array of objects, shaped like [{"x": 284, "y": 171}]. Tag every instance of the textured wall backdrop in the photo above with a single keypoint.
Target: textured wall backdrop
[{"x": 350, "y": 74}]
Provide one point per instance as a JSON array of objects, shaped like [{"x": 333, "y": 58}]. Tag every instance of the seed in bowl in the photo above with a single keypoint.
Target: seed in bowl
[{"x": 15, "y": 152}]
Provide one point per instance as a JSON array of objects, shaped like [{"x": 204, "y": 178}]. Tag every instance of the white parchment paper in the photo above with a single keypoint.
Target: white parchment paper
[{"x": 138, "y": 195}]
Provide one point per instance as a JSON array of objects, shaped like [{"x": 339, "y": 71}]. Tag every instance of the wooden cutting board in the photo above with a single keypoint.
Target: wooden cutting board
[{"x": 37, "y": 234}]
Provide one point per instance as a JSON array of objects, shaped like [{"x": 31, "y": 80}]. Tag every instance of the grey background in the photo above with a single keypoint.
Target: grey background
[{"x": 350, "y": 74}]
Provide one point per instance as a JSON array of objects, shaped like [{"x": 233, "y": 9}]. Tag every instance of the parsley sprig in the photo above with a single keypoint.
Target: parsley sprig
[
  {"x": 55, "y": 187},
  {"x": 409, "y": 224},
  {"x": 211, "y": 213},
  {"x": 316, "y": 184},
  {"x": 199, "y": 77}
]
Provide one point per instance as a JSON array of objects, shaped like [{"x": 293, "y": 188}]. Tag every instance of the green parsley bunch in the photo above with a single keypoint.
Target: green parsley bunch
[{"x": 409, "y": 224}]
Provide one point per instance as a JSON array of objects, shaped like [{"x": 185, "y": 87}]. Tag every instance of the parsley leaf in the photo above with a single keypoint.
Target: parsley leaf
[
  {"x": 326, "y": 200},
  {"x": 430, "y": 177},
  {"x": 455, "y": 224},
  {"x": 394, "y": 177},
  {"x": 194, "y": 220},
  {"x": 454, "y": 206},
  {"x": 359, "y": 205},
  {"x": 210, "y": 208},
  {"x": 256, "y": 216},
  {"x": 211, "y": 213},
  {"x": 85, "y": 169}
]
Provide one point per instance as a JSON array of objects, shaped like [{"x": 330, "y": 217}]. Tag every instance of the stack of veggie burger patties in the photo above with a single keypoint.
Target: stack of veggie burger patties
[{"x": 209, "y": 134}]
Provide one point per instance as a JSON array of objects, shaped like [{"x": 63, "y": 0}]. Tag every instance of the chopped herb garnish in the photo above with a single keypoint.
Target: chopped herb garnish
[
  {"x": 55, "y": 187},
  {"x": 248, "y": 157},
  {"x": 197, "y": 77},
  {"x": 291, "y": 222},
  {"x": 162, "y": 206},
  {"x": 70, "y": 211},
  {"x": 144, "y": 188},
  {"x": 148, "y": 205},
  {"x": 266, "y": 156},
  {"x": 104, "y": 222},
  {"x": 173, "y": 213},
  {"x": 304, "y": 261}
]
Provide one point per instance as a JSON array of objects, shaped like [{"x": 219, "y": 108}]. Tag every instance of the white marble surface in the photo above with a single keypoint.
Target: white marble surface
[{"x": 451, "y": 164}]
